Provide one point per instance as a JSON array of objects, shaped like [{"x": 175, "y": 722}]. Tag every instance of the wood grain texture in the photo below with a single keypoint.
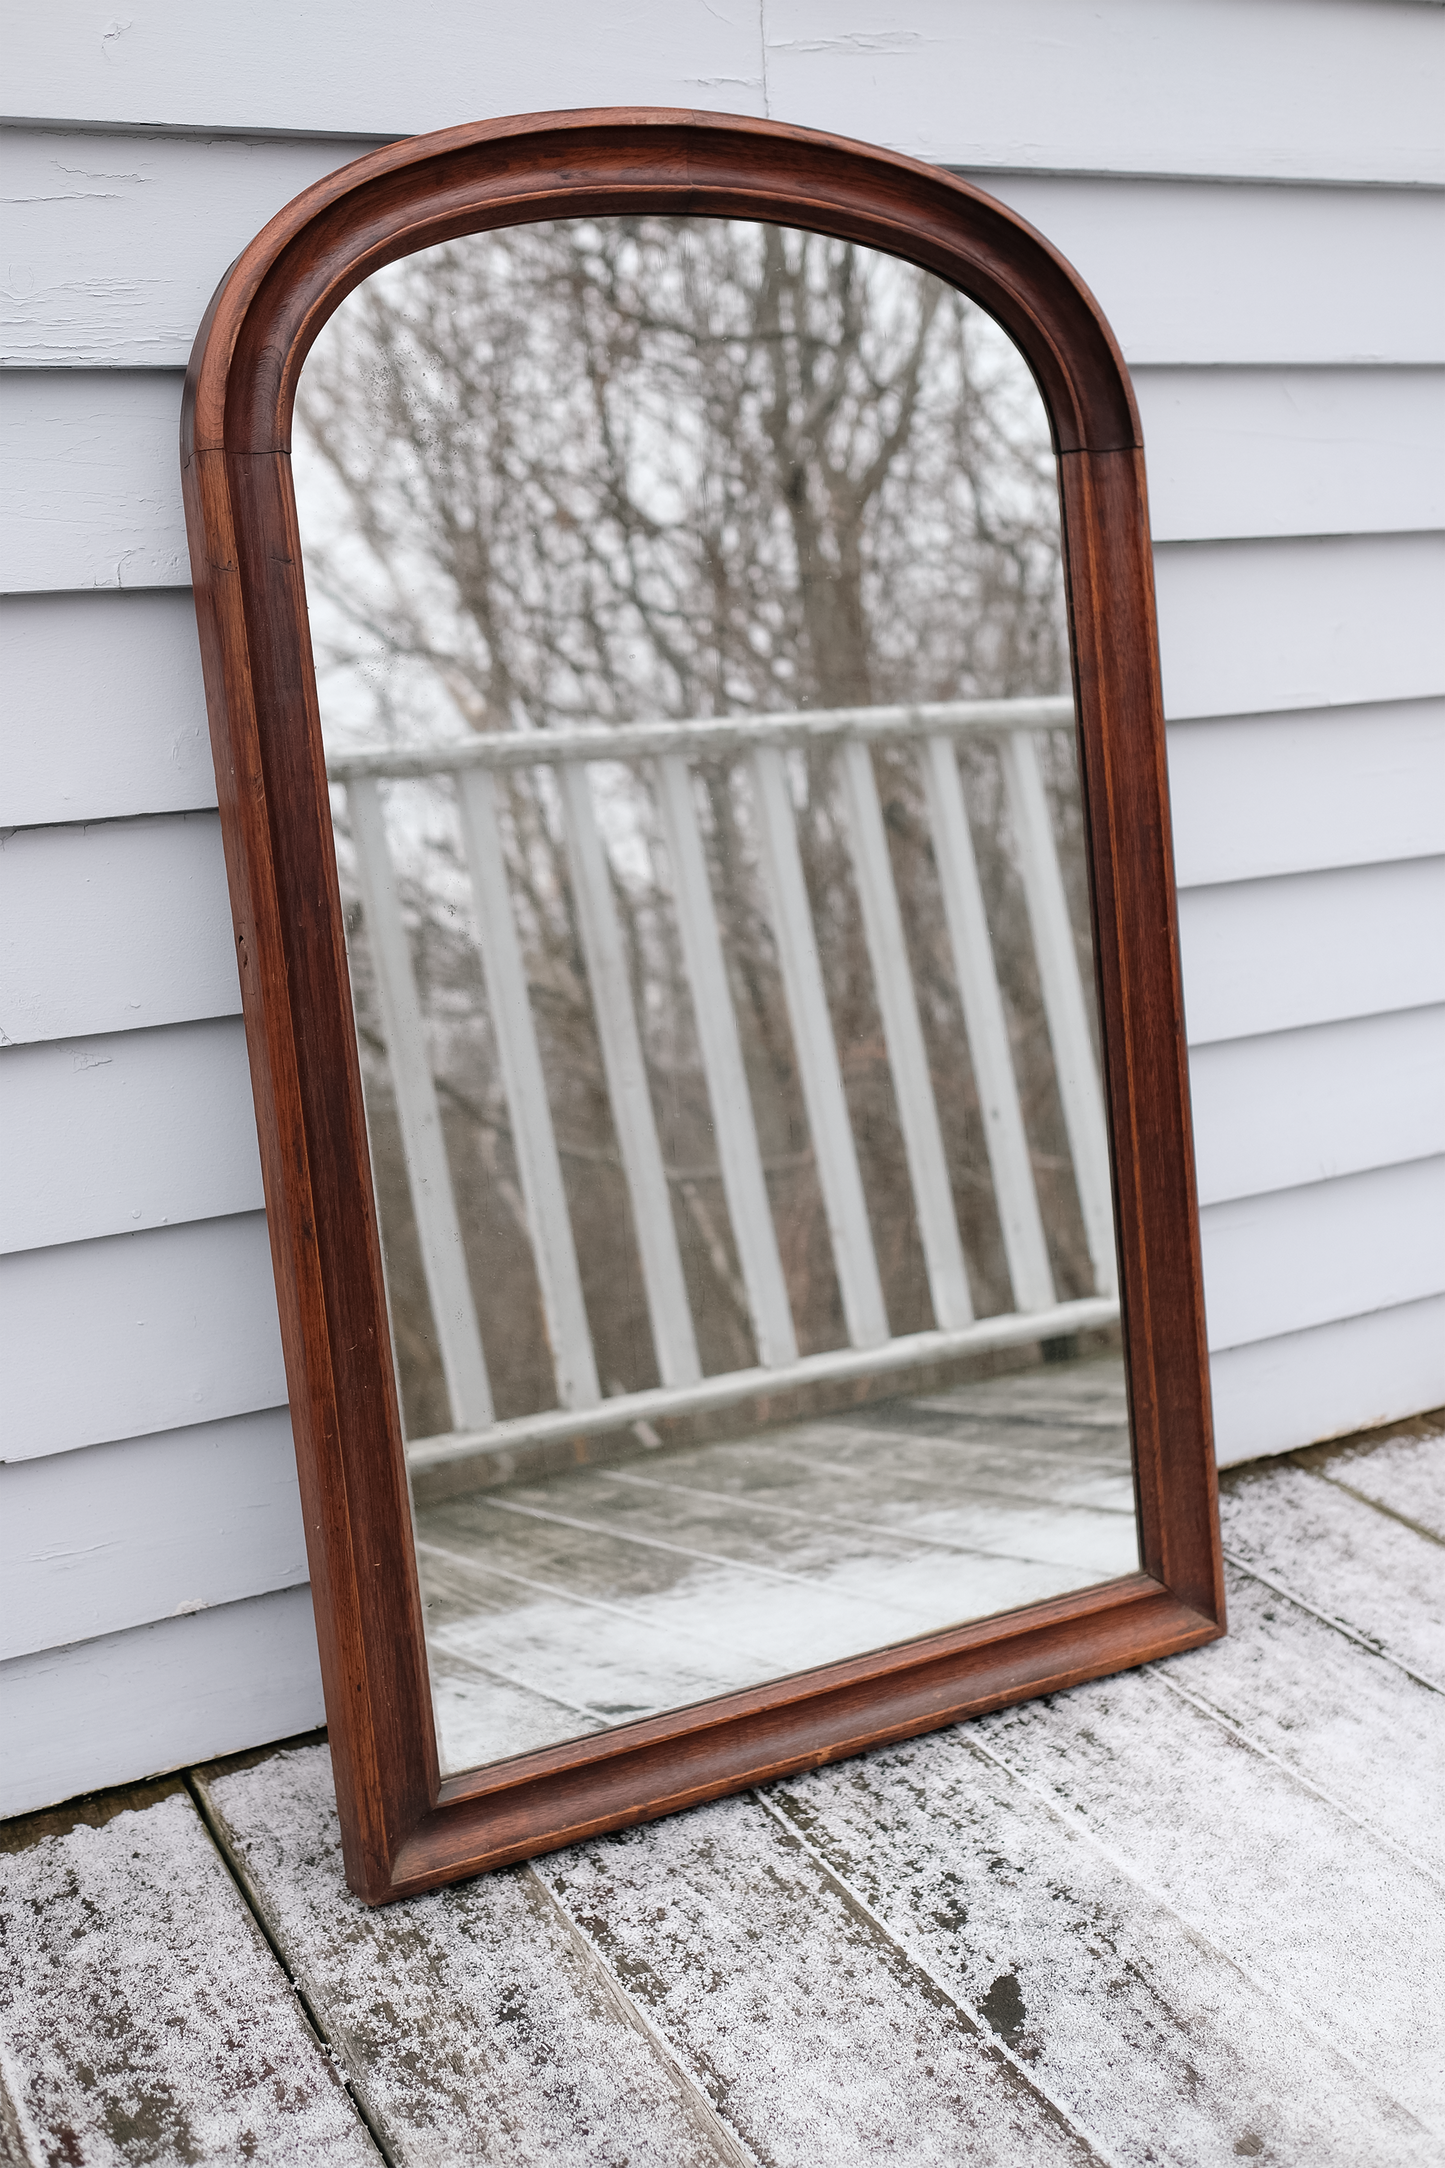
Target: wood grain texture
[
  {"x": 1311, "y": 948},
  {"x": 179, "y": 1327},
  {"x": 151, "y": 1698},
  {"x": 401, "y": 1834},
  {"x": 1261, "y": 795},
  {"x": 546, "y": 2053},
  {"x": 1350, "y": 1375},
  {"x": 1361, "y": 1569},
  {"x": 145, "y": 2017},
  {"x": 115, "y": 926},
  {"x": 119, "y": 1535},
  {"x": 126, "y": 1130},
  {"x": 1311, "y": 1105},
  {"x": 1033, "y": 87}
]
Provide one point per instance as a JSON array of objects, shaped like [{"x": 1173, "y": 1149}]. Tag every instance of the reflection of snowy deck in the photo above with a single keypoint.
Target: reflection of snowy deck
[
  {"x": 1188, "y": 1915},
  {"x": 606, "y": 1593}
]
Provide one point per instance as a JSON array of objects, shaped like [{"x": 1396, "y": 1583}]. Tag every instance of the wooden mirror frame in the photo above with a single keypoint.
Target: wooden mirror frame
[{"x": 404, "y": 1828}]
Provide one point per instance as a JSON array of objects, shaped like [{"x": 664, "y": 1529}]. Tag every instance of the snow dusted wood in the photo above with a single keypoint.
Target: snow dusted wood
[
  {"x": 91, "y": 463},
  {"x": 114, "y": 713},
  {"x": 1256, "y": 795},
  {"x": 1299, "y": 1257},
  {"x": 1310, "y": 1105},
  {"x": 1404, "y": 1476},
  {"x": 1142, "y": 2026},
  {"x": 180, "y": 1327},
  {"x": 1354, "y": 1374},
  {"x": 145, "y": 2017},
  {"x": 1239, "y": 452},
  {"x": 1264, "y": 956},
  {"x": 83, "y": 1550},
  {"x": 126, "y": 1130},
  {"x": 1344, "y": 1935},
  {"x": 148, "y": 1699},
  {"x": 813, "y": 2032},
  {"x": 115, "y": 926},
  {"x": 475, "y": 2024},
  {"x": 1312, "y": 623},
  {"x": 1359, "y": 1568}
]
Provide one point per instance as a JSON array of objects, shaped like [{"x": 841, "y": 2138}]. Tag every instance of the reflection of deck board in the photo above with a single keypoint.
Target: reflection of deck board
[{"x": 601, "y": 1594}]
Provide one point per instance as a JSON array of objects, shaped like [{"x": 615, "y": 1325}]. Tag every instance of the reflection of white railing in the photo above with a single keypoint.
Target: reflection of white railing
[{"x": 667, "y": 749}]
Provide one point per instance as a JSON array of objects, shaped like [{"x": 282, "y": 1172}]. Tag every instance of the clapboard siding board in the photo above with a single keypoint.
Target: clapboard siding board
[
  {"x": 131, "y": 1705},
  {"x": 115, "y": 927},
  {"x": 114, "y": 725},
  {"x": 1255, "y": 795},
  {"x": 142, "y": 1129},
  {"x": 1247, "y": 628},
  {"x": 1249, "y": 276},
  {"x": 94, "y": 476},
  {"x": 84, "y": 1550},
  {"x": 126, "y": 924},
  {"x": 1292, "y": 1107},
  {"x": 1296, "y": 1258},
  {"x": 1355, "y": 99},
  {"x": 125, "y": 1131},
  {"x": 117, "y": 242},
  {"x": 1310, "y": 948},
  {"x": 94, "y": 480},
  {"x": 120, "y": 241},
  {"x": 1234, "y": 453},
  {"x": 1353, "y": 1374},
  {"x": 107, "y": 707},
  {"x": 138, "y": 1333}
]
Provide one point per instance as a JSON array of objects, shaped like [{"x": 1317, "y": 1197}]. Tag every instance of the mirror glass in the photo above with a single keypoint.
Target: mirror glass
[{"x": 691, "y": 639}]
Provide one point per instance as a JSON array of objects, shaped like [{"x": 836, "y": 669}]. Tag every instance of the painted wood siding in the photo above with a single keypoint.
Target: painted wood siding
[{"x": 1256, "y": 200}]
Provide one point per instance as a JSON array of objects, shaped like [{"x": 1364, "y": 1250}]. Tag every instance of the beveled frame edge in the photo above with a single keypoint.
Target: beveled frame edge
[{"x": 404, "y": 1829}]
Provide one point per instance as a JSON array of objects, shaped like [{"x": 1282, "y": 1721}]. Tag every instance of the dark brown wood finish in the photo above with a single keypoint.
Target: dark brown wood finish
[{"x": 404, "y": 1829}]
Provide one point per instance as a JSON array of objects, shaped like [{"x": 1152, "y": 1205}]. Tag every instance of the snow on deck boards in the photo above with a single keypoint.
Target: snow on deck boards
[
  {"x": 606, "y": 1593},
  {"x": 1191, "y": 1915}
]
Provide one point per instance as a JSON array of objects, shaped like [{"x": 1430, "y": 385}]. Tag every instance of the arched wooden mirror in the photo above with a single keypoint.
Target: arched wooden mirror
[{"x": 676, "y": 608}]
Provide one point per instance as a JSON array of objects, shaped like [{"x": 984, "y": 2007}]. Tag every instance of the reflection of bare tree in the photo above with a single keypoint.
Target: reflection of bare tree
[{"x": 618, "y": 470}]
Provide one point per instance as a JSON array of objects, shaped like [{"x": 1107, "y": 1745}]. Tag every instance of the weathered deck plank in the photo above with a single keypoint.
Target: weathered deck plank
[
  {"x": 1348, "y": 1936},
  {"x": 1404, "y": 1475},
  {"x": 1364, "y": 1570},
  {"x": 142, "y": 2016},
  {"x": 475, "y": 2024},
  {"x": 1149, "y": 2031},
  {"x": 811, "y": 2029}
]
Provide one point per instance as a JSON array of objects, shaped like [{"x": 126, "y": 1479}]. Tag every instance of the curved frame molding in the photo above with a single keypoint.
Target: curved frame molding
[{"x": 404, "y": 1828}]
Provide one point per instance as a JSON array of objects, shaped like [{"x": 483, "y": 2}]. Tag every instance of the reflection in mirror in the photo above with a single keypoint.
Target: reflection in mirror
[{"x": 689, "y": 621}]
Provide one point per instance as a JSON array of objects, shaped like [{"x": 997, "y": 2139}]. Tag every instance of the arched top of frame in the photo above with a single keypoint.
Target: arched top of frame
[{"x": 260, "y": 326}]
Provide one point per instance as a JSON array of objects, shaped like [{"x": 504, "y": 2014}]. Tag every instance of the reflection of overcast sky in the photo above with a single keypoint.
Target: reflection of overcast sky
[{"x": 372, "y": 697}]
